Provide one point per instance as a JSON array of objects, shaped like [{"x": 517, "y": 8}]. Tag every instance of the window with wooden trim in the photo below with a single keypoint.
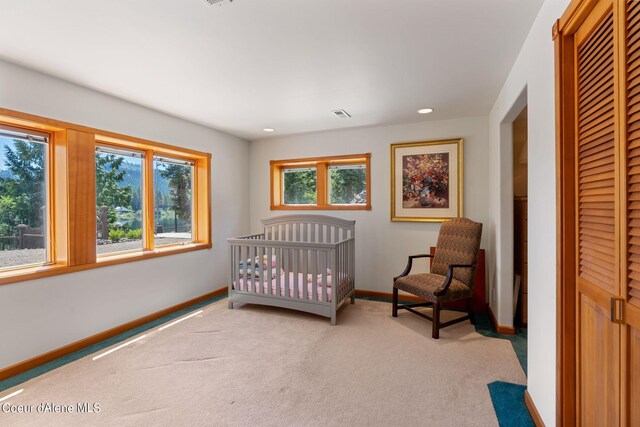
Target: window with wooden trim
[
  {"x": 75, "y": 198},
  {"x": 337, "y": 182},
  {"x": 119, "y": 194},
  {"x": 173, "y": 204},
  {"x": 24, "y": 207}
]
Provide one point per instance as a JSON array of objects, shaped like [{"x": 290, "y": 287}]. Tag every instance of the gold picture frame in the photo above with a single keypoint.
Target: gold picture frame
[{"x": 426, "y": 180}]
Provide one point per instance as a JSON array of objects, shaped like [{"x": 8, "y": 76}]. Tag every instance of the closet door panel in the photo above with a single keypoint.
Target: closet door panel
[
  {"x": 632, "y": 60},
  {"x": 634, "y": 376},
  {"x": 596, "y": 157},
  {"x": 630, "y": 315},
  {"x": 597, "y": 232},
  {"x": 598, "y": 369}
]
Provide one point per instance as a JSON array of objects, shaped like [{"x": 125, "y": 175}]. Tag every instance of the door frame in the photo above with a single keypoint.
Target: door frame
[
  {"x": 563, "y": 33},
  {"x": 501, "y": 297}
]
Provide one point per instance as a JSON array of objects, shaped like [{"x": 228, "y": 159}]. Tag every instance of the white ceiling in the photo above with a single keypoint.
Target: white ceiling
[{"x": 283, "y": 64}]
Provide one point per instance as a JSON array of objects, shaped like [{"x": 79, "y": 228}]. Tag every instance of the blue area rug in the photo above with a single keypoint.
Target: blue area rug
[{"x": 508, "y": 402}]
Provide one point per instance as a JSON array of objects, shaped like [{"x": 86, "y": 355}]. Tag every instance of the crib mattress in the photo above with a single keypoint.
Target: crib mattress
[{"x": 301, "y": 285}]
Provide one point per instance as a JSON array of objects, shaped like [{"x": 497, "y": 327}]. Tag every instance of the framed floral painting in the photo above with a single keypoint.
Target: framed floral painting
[{"x": 426, "y": 180}]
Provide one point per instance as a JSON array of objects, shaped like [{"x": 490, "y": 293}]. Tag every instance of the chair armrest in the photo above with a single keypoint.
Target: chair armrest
[
  {"x": 447, "y": 281},
  {"x": 407, "y": 269}
]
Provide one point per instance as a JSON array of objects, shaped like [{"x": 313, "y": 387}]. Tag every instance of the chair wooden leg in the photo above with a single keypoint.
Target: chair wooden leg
[
  {"x": 394, "y": 303},
  {"x": 472, "y": 317},
  {"x": 435, "y": 327}
]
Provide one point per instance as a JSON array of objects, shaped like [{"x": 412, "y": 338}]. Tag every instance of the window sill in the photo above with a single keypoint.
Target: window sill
[
  {"x": 321, "y": 207},
  {"x": 41, "y": 271}
]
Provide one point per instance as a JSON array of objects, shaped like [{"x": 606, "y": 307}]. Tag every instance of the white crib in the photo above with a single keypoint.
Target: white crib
[{"x": 312, "y": 264}]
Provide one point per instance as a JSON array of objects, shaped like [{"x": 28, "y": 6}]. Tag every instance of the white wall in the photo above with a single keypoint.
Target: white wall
[
  {"x": 40, "y": 315},
  {"x": 533, "y": 71},
  {"x": 382, "y": 246}
]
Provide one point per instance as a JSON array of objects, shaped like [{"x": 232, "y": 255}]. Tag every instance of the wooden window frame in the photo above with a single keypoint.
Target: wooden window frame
[
  {"x": 71, "y": 197},
  {"x": 322, "y": 165},
  {"x": 49, "y": 248},
  {"x": 149, "y": 231}
]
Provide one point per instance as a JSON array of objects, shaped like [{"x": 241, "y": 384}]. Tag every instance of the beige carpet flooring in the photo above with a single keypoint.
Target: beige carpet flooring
[{"x": 273, "y": 367}]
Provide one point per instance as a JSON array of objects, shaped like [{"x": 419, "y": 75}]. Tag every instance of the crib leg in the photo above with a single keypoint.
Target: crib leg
[
  {"x": 353, "y": 298},
  {"x": 333, "y": 319},
  {"x": 230, "y": 305}
]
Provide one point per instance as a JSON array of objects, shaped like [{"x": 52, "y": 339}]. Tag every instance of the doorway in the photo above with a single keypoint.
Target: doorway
[{"x": 520, "y": 219}]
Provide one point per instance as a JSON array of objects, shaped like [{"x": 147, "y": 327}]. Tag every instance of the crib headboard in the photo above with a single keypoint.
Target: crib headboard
[{"x": 308, "y": 228}]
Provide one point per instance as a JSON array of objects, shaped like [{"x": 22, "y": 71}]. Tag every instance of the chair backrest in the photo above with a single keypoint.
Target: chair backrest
[{"x": 458, "y": 243}]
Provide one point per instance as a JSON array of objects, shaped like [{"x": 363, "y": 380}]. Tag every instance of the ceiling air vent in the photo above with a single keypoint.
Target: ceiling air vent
[
  {"x": 341, "y": 113},
  {"x": 218, "y": 2}
]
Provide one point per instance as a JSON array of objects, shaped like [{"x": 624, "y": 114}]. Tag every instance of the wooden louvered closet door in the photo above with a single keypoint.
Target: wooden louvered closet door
[
  {"x": 598, "y": 76},
  {"x": 598, "y": 338},
  {"x": 630, "y": 294}
]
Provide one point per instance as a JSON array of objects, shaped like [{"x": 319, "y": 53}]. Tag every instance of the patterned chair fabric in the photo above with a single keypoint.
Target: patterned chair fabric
[
  {"x": 426, "y": 285},
  {"x": 458, "y": 243}
]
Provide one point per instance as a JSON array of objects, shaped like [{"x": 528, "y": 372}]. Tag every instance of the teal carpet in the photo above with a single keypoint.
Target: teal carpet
[{"x": 508, "y": 402}]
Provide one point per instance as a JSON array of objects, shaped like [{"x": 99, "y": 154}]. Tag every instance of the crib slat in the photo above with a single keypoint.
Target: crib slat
[
  {"x": 232, "y": 278},
  {"x": 337, "y": 277},
  {"x": 345, "y": 253},
  {"x": 254, "y": 254},
  {"x": 238, "y": 266},
  {"x": 336, "y": 235},
  {"x": 250, "y": 268},
  {"x": 270, "y": 270},
  {"x": 296, "y": 255},
  {"x": 262, "y": 268},
  {"x": 279, "y": 266},
  {"x": 305, "y": 271},
  {"x": 352, "y": 260},
  {"x": 285, "y": 266},
  {"x": 251, "y": 250},
  {"x": 314, "y": 273},
  {"x": 323, "y": 271},
  {"x": 244, "y": 267},
  {"x": 261, "y": 273},
  {"x": 335, "y": 274}
]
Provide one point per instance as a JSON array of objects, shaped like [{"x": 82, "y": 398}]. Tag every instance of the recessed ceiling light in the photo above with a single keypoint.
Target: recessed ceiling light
[
  {"x": 268, "y": 130},
  {"x": 425, "y": 110}
]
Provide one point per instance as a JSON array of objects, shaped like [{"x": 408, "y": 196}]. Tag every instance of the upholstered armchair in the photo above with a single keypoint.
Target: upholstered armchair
[{"x": 451, "y": 277}]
